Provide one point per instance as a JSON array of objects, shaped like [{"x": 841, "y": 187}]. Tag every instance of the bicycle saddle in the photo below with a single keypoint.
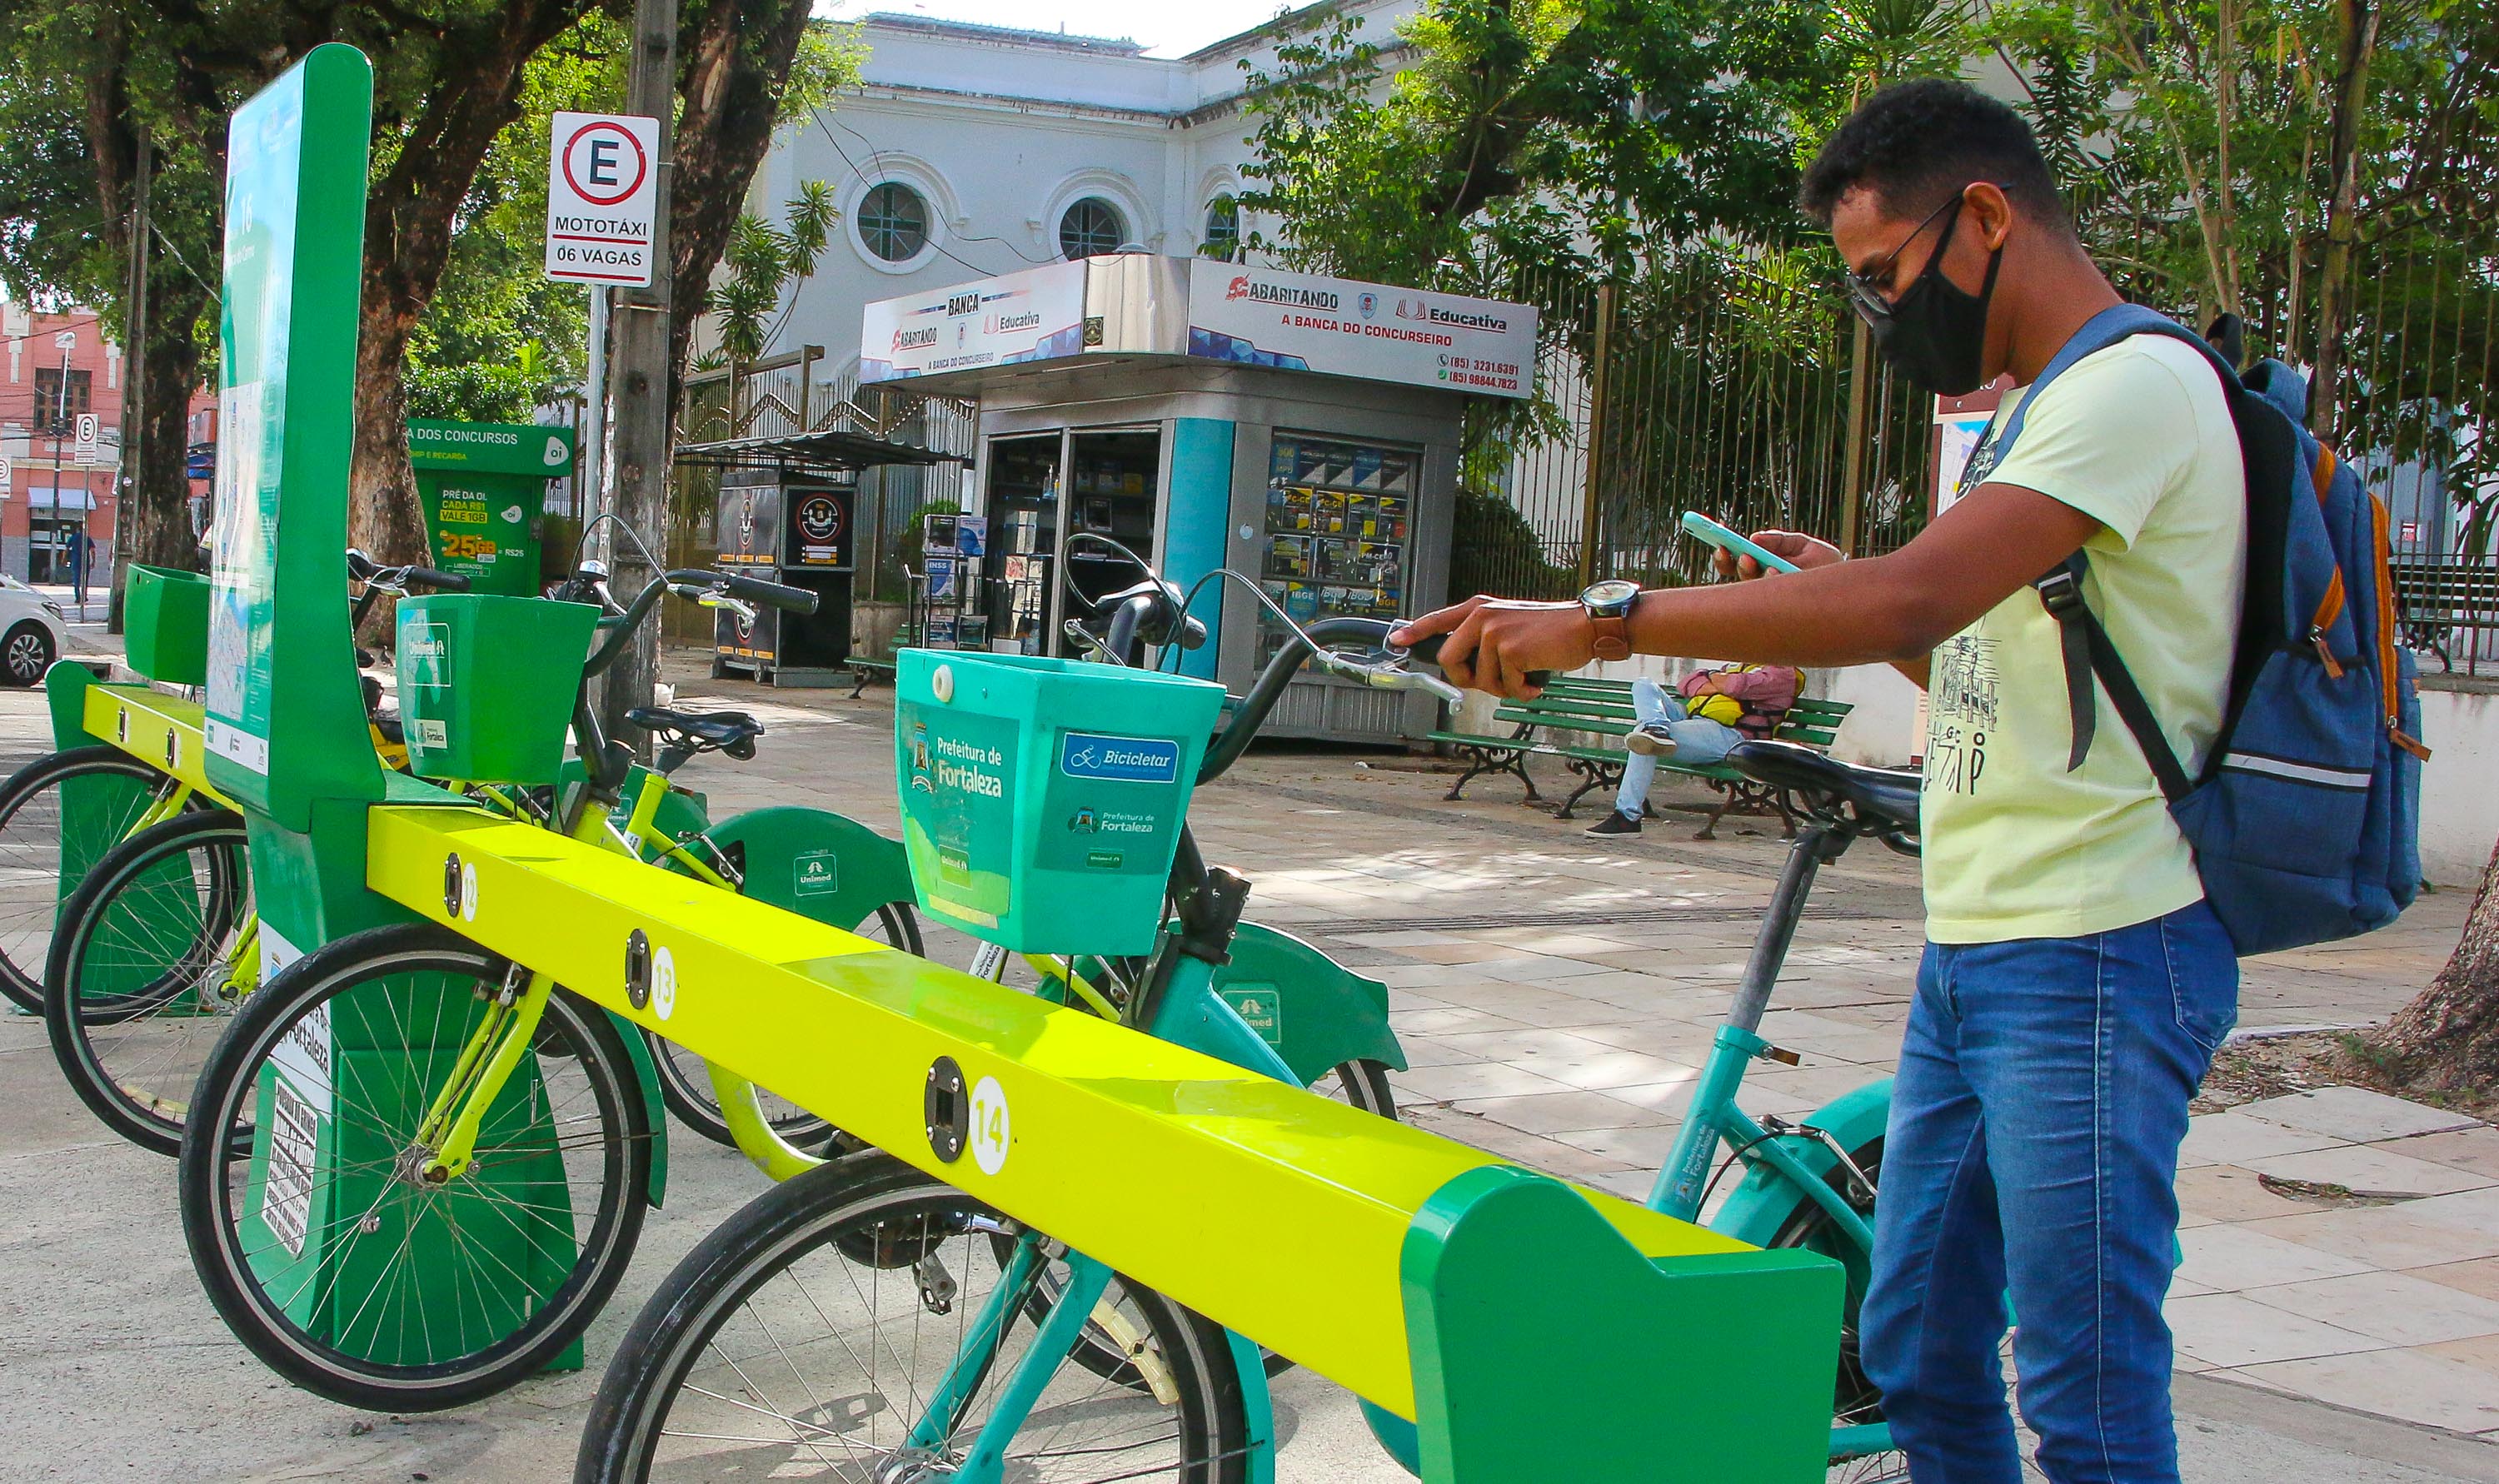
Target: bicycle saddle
[
  {"x": 1883, "y": 798},
  {"x": 732, "y": 731}
]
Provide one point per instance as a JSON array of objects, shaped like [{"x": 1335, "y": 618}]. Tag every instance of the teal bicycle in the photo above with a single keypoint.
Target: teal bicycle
[{"x": 866, "y": 1322}]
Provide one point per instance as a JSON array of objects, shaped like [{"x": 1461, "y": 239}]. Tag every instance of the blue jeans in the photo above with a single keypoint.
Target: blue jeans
[
  {"x": 1697, "y": 740},
  {"x": 2032, "y": 1151}
]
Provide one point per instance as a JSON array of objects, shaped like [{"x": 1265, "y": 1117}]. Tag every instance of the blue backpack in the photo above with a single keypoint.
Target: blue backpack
[{"x": 2305, "y": 819}]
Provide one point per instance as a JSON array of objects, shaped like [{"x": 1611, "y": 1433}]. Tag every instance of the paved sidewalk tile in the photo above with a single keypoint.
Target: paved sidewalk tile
[
  {"x": 2228, "y": 1258},
  {"x": 2356, "y": 1113},
  {"x": 2406, "y": 1384},
  {"x": 2236, "y": 1139},
  {"x": 2229, "y": 1329},
  {"x": 2382, "y": 1236},
  {"x": 2390, "y": 1306},
  {"x": 2371, "y": 1168}
]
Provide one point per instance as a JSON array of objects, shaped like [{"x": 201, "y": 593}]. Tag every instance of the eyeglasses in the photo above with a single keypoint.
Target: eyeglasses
[{"x": 1865, "y": 289}]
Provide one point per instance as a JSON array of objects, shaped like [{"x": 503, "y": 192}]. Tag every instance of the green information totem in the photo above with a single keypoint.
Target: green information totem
[
  {"x": 287, "y": 741},
  {"x": 484, "y": 489}
]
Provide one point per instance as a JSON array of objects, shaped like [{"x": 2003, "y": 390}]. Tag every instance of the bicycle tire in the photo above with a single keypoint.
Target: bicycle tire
[
  {"x": 685, "y": 1085},
  {"x": 1855, "y": 1399},
  {"x": 585, "y": 1068},
  {"x": 869, "y": 1215},
  {"x": 32, "y": 844},
  {"x": 132, "y": 1056}
]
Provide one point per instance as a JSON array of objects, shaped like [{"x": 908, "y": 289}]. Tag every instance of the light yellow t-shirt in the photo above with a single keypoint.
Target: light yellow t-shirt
[{"x": 2138, "y": 438}]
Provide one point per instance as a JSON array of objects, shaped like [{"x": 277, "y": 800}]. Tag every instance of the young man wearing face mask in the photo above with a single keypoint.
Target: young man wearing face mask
[{"x": 2075, "y": 984}]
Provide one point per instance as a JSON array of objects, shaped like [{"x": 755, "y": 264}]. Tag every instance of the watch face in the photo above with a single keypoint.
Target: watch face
[{"x": 1609, "y": 594}]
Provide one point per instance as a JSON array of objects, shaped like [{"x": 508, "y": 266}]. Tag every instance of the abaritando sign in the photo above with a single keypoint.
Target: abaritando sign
[
  {"x": 1135, "y": 303},
  {"x": 603, "y": 192}
]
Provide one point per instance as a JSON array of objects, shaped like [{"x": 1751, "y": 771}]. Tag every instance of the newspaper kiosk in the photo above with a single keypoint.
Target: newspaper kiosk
[{"x": 1300, "y": 430}]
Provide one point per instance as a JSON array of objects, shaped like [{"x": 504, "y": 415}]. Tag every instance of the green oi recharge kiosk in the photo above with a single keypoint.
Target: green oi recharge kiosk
[
  {"x": 484, "y": 489},
  {"x": 286, "y": 741}
]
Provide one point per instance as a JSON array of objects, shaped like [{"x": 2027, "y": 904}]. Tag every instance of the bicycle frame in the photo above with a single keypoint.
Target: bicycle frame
[{"x": 1715, "y": 1119}]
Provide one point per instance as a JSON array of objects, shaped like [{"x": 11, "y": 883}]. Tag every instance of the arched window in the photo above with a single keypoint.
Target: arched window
[
  {"x": 1090, "y": 228},
  {"x": 894, "y": 222},
  {"x": 1222, "y": 228}
]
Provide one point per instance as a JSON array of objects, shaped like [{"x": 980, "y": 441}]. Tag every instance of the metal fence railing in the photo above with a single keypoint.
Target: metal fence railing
[{"x": 1731, "y": 385}]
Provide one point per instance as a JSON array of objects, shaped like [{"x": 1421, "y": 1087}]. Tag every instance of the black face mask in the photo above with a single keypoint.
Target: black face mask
[{"x": 1936, "y": 333}]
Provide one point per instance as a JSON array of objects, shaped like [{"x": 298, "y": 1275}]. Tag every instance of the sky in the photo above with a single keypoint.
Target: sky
[{"x": 1164, "y": 28}]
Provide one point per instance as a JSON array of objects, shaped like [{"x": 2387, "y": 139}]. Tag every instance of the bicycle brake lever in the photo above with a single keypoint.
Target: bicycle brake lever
[{"x": 1386, "y": 674}]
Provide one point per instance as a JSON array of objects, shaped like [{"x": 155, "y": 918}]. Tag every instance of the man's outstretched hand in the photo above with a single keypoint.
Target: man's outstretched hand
[
  {"x": 1495, "y": 642},
  {"x": 1801, "y": 549}
]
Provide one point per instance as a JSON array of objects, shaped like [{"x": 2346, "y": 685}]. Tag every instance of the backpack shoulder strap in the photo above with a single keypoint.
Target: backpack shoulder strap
[{"x": 2085, "y": 644}]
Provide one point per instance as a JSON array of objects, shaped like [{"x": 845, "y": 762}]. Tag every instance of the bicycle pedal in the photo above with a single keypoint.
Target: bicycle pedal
[{"x": 938, "y": 1286}]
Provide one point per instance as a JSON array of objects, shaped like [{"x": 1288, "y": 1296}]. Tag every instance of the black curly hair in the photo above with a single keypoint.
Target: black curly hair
[{"x": 1915, "y": 143}]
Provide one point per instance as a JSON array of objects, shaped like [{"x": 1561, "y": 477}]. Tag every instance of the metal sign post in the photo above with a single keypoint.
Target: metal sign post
[{"x": 603, "y": 207}]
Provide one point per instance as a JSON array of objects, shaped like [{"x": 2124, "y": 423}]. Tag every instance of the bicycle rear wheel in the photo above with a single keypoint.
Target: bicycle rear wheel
[
  {"x": 59, "y": 813},
  {"x": 143, "y": 977},
  {"x": 1855, "y": 1399},
  {"x": 806, "y": 1337},
  {"x": 312, "y": 1223}
]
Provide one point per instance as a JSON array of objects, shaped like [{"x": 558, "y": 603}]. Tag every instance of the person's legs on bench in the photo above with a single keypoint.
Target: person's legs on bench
[{"x": 1660, "y": 728}]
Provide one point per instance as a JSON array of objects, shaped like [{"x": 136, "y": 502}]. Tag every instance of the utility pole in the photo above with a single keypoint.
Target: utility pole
[
  {"x": 134, "y": 384},
  {"x": 637, "y": 378}
]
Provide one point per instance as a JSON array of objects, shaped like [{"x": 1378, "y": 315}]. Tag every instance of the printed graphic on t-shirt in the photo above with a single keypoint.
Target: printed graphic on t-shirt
[{"x": 1962, "y": 701}]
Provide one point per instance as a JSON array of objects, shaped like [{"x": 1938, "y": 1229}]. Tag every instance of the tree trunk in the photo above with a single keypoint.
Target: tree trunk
[
  {"x": 2359, "y": 42},
  {"x": 410, "y": 217},
  {"x": 732, "y": 59},
  {"x": 384, "y": 518},
  {"x": 155, "y": 520},
  {"x": 2447, "y": 1040}
]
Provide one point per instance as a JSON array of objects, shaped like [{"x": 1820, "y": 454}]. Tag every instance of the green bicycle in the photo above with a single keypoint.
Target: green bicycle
[{"x": 944, "y": 1327}]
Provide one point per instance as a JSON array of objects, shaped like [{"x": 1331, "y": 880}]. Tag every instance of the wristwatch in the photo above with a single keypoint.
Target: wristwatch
[{"x": 1610, "y": 607}]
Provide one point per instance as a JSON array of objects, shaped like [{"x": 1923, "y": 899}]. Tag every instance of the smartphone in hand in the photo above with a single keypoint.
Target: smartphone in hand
[{"x": 1702, "y": 527}]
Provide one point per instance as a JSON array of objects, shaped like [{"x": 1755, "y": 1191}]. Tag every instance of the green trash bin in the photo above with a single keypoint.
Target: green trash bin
[
  {"x": 486, "y": 684},
  {"x": 165, "y": 620},
  {"x": 1042, "y": 799}
]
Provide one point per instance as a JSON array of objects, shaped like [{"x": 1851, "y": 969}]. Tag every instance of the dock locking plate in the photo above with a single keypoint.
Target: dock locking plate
[{"x": 948, "y": 1107}]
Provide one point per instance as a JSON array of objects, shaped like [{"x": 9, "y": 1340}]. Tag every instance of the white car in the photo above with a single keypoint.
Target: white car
[{"x": 32, "y": 633}]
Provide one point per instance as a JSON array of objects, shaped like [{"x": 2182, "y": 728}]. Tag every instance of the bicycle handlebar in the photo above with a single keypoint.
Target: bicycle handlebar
[
  {"x": 1226, "y": 750},
  {"x": 399, "y": 579},
  {"x": 772, "y": 594}
]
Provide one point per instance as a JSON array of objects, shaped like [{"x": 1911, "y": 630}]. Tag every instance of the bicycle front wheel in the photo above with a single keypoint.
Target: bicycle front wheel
[
  {"x": 811, "y": 1336},
  {"x": 150, "y": 961},
  {"x": 59, "y": 814},
  {"x": 320, "y": 1237}
]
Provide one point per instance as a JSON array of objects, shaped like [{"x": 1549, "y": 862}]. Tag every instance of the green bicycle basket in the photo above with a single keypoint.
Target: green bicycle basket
[
  {"x": 164, "y": 619},
  {"x": 1042, "y": 799},
  {"x": 486, "y": 684}
]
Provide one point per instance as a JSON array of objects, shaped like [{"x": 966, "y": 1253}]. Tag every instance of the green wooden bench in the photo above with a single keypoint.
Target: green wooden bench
[
  {"x": 863, "y": 671},
  {"x": 2436, "y": 598},
  {"x": 1603, "y": 708}
]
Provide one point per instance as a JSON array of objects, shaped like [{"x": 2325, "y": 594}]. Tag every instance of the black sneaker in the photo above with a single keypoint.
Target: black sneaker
[
  {"x": 1615, "y": 822},
  {"x": 1651, "y": 739}
]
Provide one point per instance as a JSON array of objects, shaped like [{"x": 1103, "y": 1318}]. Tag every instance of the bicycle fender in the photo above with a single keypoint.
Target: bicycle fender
[
  {"x": 817, "y": 863},
  {"x": 653, "y": 1106},
  {"x": 1257, "y": 1409},
  {"x": 1316, "y": 1012},
  {"x": 1764, "y": 1202}
]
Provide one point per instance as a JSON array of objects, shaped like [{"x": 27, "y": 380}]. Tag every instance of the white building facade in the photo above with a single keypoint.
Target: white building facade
[{"x": 975, "y": 151}]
